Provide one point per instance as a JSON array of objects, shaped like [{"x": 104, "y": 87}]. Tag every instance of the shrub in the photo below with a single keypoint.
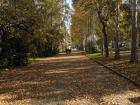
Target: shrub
[{"x": 21, "y": 59}]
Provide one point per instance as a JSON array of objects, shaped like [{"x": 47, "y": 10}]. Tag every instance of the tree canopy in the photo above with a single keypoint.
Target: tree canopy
[
  {"x": 107, "y": 23},
  {"x": 30, "y": 26}
]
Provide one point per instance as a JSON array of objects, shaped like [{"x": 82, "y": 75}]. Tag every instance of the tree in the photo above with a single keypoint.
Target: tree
[
  {"x": 116, "y": 38},
  {"x": 103, "y": 10},
  {"x": 30, "y": 26},
  {"x": 134, "y": 55}
]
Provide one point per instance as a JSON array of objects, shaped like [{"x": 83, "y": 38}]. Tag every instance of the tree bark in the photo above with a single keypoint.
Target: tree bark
[
  {"x": 134, "y": 55},
  {"x": 105, "y": 39},
  {"x": 103, "y": 21},
  {"x": 116, "y": 38},
  {"x": 102, "y": 47}
]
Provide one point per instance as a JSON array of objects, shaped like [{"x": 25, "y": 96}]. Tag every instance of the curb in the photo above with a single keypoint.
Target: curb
[{"x": 116, "y": 72}]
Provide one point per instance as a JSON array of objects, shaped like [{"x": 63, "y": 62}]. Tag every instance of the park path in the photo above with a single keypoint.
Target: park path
[{"x": 66, "y": 80}]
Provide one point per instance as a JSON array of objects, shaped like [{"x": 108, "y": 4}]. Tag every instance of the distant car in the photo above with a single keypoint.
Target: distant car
[{"x": 74, "y": 49}]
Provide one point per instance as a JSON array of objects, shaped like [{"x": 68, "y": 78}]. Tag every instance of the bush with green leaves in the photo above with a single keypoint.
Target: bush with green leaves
[{"x": 29, "y": 27}]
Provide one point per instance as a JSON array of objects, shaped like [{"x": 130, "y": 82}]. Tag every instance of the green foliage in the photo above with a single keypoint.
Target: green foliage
[
  {"x": 105, "y": 21},
  {"x": 29, "y": 27},
  {"x": 20, "y": 59}
]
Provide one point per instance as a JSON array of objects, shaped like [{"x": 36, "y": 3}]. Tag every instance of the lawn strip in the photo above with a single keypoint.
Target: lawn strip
[{"x": 122, "y": 67}]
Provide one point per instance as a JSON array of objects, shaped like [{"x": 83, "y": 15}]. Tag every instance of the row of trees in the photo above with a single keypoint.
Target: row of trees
[
  {"x": 30, "y": 26},
  {"x": 103, "y": 22}
]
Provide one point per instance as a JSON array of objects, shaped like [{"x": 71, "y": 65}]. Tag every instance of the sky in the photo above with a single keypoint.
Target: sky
[
  {"x": 69, "y": 2},
  {"x": 68, "y": 22}
]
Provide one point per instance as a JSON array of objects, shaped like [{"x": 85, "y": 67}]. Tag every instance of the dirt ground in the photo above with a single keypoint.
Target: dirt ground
[{"x": 66, "y": 80}]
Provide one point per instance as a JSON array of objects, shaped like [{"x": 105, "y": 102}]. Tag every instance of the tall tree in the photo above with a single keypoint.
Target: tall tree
[
  {"x": 30, "y": 26},
  {"x": 134, "y": 54},
  {"x": 116, "y": 38}
]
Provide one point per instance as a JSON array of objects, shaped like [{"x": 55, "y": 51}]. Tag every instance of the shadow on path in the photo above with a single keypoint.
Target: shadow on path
[{"x": 63, "y": 80}]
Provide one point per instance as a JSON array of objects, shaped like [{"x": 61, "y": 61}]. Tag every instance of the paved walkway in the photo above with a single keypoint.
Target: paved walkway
[{"x": 66, "y": 80}]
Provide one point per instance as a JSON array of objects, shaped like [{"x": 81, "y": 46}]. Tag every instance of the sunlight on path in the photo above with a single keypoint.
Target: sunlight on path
[{"x": 66, "y": 80}]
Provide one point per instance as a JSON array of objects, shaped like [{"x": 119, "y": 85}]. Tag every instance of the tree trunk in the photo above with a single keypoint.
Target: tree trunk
[
  {"x": 105, "y": 38},
  {"x": 134, "y": 56},
  {"x": 0, "y": 39},
  {"x": 116, "y": 38},
  {"x": 52, "y": 13},
  {"x": 102, "y": 47}
]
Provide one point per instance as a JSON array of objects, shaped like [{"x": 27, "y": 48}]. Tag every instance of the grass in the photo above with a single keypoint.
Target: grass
[
  {"x": 139, "y": 50},
  {"x": 123, "y": 65},
  {"x": 95, "y": 55},
  {"x": 38, "y": 59}
]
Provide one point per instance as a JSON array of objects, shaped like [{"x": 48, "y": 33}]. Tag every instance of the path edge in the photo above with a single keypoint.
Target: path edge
[{"x": 115, "y": 71}]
